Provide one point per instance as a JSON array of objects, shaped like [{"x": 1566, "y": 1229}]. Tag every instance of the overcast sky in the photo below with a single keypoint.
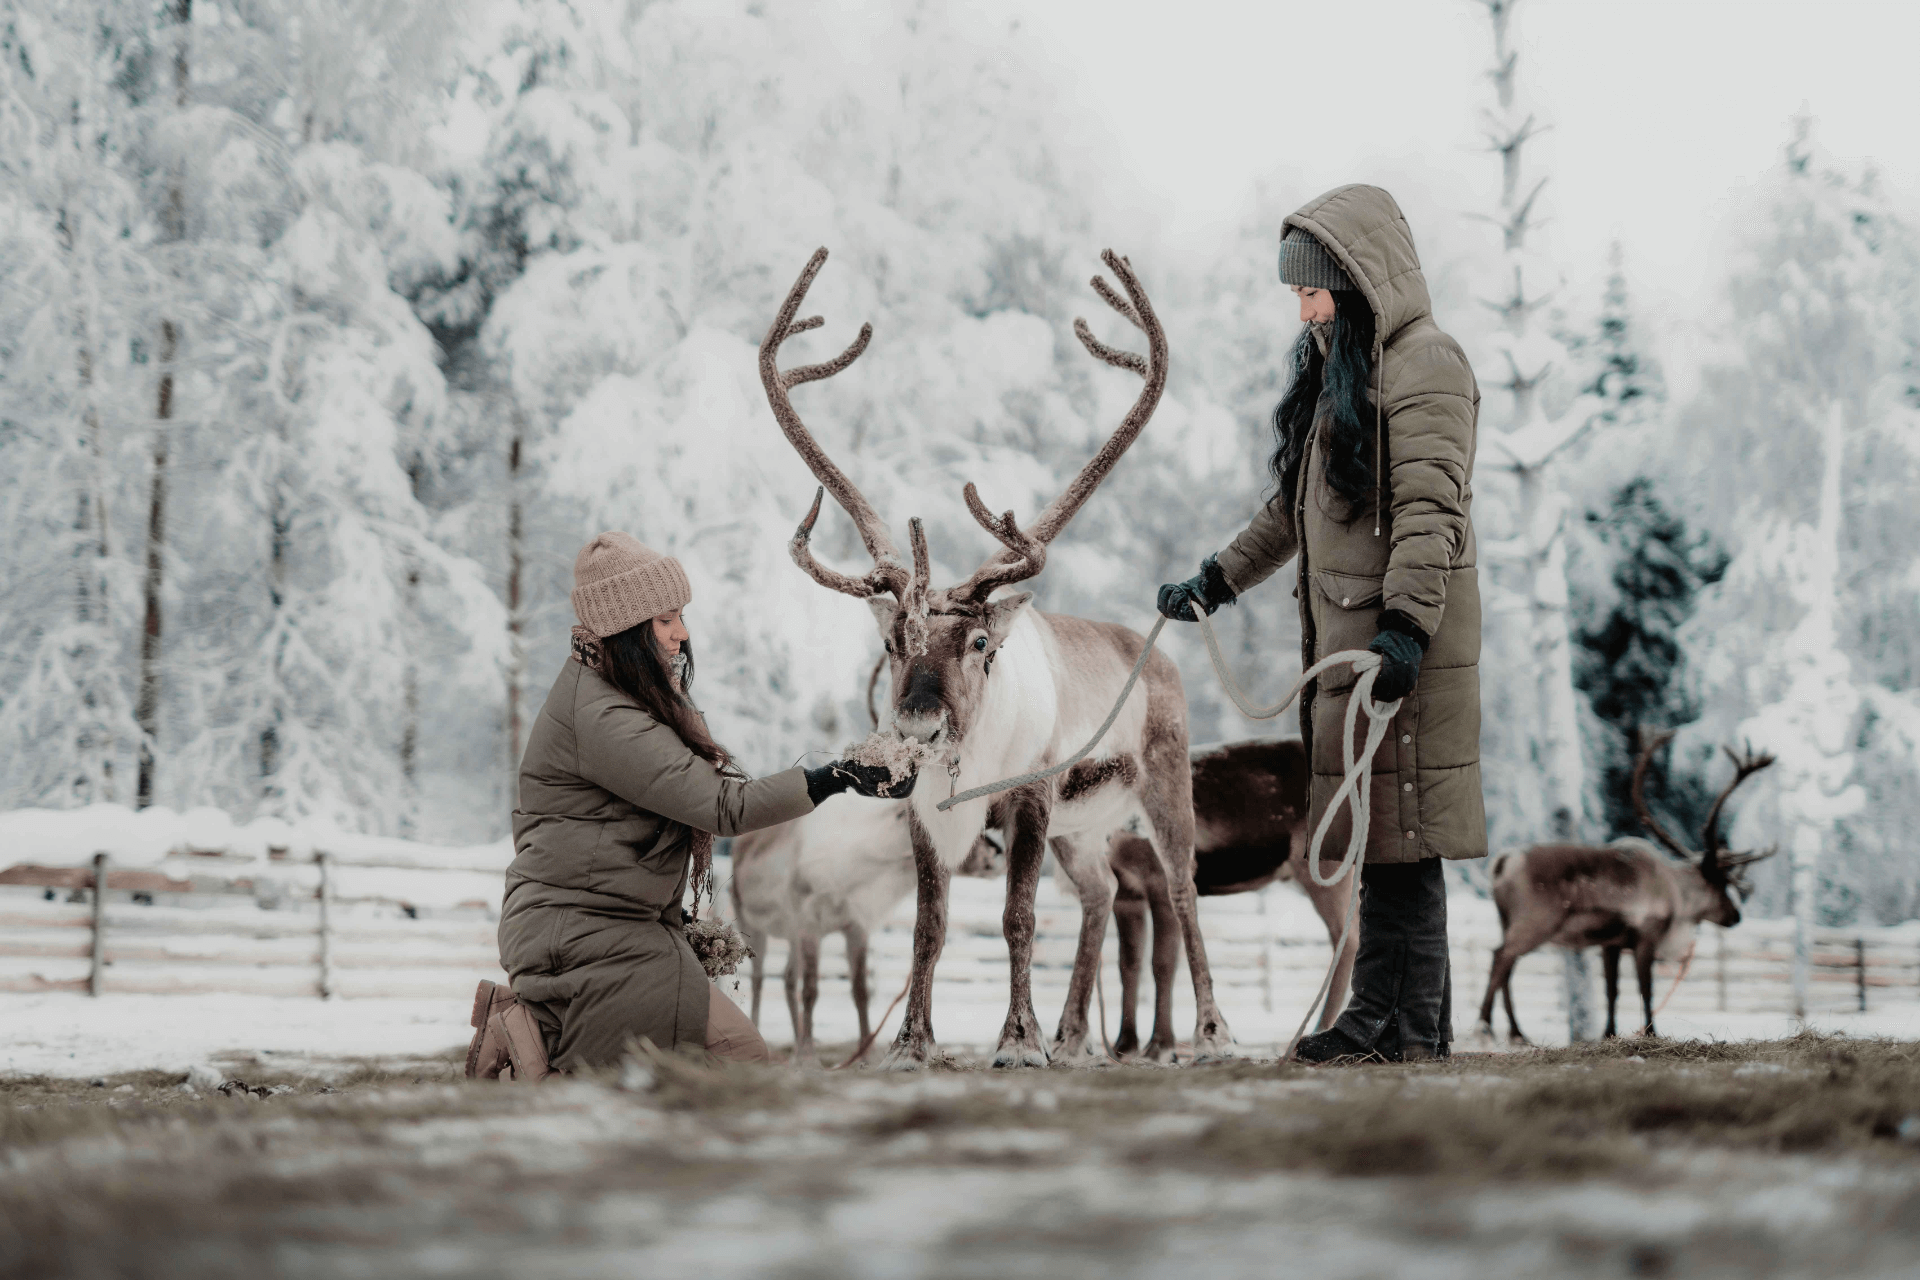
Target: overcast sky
[{"x": 1662, "y": 111}]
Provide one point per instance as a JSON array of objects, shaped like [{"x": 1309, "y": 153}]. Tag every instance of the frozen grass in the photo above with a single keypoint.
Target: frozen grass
[{"x": 403, "y": 1169}]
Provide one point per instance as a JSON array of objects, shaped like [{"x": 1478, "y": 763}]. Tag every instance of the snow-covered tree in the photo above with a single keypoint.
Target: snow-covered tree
[
  {"x": 1809, "y": 442},
  {"x": 301, "y": 696},
  {"x": 1531, "y": 712},
  {"x": 73, "y": 326}
]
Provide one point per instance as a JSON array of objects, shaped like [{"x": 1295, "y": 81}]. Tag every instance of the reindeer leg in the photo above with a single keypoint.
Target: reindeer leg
[
  {"x": 1093, "y": 878},
  {"x": 1643, "y": 952},
  {"x": 1520, "y": 934},
  {"x": 1330, "y": 903},
  {"x": 1610, "y": 959},
  {"x": 1167, "y": 797},
  {"x": 1493, "y": 987},
  {"x": 1486, "y": 1005},
  {"x": 1130, "y": 927},
  {"x": 808, "y": 947},
  {"x": 790, "y": 984},
  {"x": 1020, "y": 1042},
  {"x": 857, "y": 975},
  {"x": 757, "y": 942},
  {"x": 1514, "y": 1034},
  {"x": 914, "y": 1045},
  {"x": 1166, "y": 955}
]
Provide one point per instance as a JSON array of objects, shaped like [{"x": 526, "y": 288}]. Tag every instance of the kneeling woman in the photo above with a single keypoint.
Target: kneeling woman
[{"x": 621, "y": 794}]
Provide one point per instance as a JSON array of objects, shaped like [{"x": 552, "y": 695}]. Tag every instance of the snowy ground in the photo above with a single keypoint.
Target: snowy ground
[
  {"x": 371, "y": 1158},
  {"x": 63, "y": 1034},
  {"x": 1778, "y": 1160}
]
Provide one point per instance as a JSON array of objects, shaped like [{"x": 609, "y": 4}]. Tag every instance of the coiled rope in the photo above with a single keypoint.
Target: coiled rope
[{"x": 1356, "y": 786}]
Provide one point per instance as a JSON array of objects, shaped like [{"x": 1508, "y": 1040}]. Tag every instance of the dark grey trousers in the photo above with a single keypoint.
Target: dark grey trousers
[{"x": 1402, "y": 980}]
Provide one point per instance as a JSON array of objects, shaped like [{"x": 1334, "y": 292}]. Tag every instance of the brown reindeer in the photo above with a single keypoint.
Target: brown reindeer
[
  {"x": 1000, "y": 689},
  {"x": 1250, "y": 829},
  {"x": 1619, "y": 897}
]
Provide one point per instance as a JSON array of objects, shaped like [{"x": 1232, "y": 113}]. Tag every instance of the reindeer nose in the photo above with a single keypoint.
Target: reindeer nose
[{"x": 922, "y": 694}]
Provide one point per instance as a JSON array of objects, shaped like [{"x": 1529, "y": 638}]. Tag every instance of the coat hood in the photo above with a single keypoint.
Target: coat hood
[{"x": 1365, "y": 231}]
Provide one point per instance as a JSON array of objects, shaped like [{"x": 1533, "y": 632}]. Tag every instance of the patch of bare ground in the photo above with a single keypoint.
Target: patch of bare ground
[
  {"x": 1610, "y": 1108},
  {"x": 402, "y": 1169}
]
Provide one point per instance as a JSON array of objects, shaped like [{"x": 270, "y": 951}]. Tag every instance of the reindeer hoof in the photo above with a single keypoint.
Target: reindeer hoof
[
  {"x": 1020, "y": 1055},
  {"x": 1212, "y": 1050},
  {"x": 1159, "y": 1055},
  {"x": 905, "y": 1057},
  {"x": 1077, "y": 1054},
  {"x": 1065, "y": 1049}
]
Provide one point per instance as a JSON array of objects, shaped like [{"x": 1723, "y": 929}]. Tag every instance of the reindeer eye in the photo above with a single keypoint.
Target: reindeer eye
[{"x": 980, "y": 643}]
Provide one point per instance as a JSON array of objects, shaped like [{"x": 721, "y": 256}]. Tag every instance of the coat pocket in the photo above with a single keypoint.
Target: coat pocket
[
  {"x": 1350, "y": 590},
  {"x": 1347, "y": 616}
]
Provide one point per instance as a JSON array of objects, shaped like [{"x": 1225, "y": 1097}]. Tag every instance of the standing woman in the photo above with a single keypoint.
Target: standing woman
[
  {"x": 622, "y": 791},
  {"x": 1372, "y": 470}
]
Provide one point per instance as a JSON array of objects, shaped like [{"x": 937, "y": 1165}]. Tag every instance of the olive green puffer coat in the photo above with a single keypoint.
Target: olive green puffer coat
[
  {"x": 1427, "y": 801},
  {"x": 590, "y": 930}
]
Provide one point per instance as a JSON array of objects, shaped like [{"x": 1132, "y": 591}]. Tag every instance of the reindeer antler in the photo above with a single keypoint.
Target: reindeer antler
[
  {"x": 1717, "y": 861},
  {"x": 1030, "y": 554},
  {"x": 1024, "y": 553},
  {"x": 1649, "y": 744},
  {"x": 888, "y": 573}
]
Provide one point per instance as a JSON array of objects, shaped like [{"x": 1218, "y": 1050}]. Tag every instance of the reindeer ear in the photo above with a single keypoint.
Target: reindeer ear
[
  {"x": 884, "y": 607},
  {"x": 1001, "y": 614}
]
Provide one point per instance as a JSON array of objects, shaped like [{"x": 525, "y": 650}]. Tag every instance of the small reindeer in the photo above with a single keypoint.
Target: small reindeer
[
  {"x": 1250, "y": 829},
  {"x": 1622, "y": 896},
  {"x": 840, "y": 869}
]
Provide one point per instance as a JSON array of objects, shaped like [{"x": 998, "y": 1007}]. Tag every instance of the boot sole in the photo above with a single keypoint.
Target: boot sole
[{"x": 482, "y": 1006}]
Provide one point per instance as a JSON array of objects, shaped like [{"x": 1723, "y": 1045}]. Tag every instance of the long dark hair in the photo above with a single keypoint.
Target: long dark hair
[
  {"x": 1346, "y": 373},
  {"x": 636, "y": 667}
]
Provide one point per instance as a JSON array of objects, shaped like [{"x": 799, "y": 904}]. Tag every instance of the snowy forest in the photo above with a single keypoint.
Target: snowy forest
[{"x": 330, "y": 329}]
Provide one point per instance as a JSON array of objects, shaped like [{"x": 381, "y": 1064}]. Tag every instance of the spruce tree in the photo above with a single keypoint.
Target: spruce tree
[{"x": 1629, "y": 663}]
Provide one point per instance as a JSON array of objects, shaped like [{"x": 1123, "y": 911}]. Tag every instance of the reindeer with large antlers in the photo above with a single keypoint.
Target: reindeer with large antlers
[
  {"x": 1622, "y": 896},
  {"x": 1001, "y": 689}
]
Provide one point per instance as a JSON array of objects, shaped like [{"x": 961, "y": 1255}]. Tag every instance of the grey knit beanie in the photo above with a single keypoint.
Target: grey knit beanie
[
  {"x": 617, "y": 584},
  {"x": 1305, "y": 261}
]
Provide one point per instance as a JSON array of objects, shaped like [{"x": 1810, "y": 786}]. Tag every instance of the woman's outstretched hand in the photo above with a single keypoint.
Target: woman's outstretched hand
[
  {"x": 872, "y": 780},
  {"x": 1207, "y": 588}
]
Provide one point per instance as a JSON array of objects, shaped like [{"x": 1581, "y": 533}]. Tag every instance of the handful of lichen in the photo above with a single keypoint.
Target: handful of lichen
[
  {"x": 718, "y": 945},
  {"x": 901, "y": 756}
]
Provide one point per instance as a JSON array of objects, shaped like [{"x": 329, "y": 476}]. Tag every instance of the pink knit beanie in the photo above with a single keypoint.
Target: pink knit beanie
[{"x": 617, "y": 584}]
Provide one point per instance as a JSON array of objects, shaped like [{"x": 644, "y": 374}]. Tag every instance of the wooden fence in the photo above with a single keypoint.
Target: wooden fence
[
  {"x": 209, "y": 920},
  {"x": 382, "y": 924}
]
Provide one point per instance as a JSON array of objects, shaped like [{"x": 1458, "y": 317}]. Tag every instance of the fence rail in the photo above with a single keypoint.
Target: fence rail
[
  {"x": 328, "y": 926},
  {"x": 207, "y": 921}
]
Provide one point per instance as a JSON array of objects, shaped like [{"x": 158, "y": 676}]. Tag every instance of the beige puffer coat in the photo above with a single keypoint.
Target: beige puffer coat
[
  {"x": 590, "y": 930},
  {"x": 1427, "y": 801}
]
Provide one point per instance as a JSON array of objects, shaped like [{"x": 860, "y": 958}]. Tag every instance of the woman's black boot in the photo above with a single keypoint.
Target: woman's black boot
[{"x": 1401, "y": 1007}]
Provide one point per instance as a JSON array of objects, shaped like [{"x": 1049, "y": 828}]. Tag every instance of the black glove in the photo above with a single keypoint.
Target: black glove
[
  {"x": 1401, "y": 644},
  {"x": 1207, "y": 588},
  {"x": 874, "y": 780}
]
